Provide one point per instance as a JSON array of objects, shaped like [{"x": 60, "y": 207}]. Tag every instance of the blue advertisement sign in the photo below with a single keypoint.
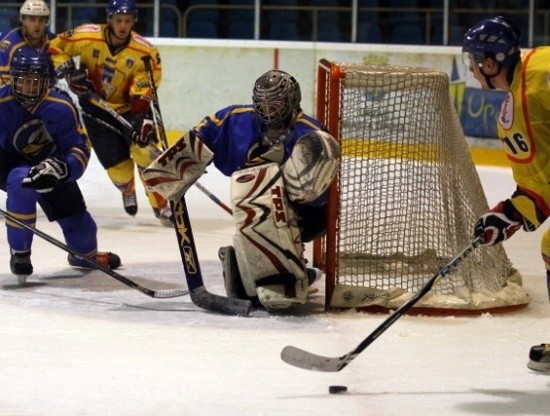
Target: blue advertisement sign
[
  {"x": 479, "y": 112},
  {"x": 477, "y": 109}
]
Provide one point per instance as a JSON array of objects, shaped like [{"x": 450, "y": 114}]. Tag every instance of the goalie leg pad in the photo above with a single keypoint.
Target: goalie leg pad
[
  {"x": 178, "y": 167},
  {"x": 311, "y": 167},
  {"x": 267, "y": 243}
]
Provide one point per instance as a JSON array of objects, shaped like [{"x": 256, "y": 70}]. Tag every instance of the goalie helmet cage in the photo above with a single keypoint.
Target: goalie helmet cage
[{"x": 406, "y": 197}]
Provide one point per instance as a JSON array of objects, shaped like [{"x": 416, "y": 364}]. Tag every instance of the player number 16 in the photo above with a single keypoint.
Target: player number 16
[{"x": 516, "y": 143}]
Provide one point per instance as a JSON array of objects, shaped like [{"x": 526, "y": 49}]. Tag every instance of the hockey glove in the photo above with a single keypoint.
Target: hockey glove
[
  {"x": 143, "y": 130},
  {"x": 47, "y": 174},
  {"x": 500, "y": 223},
  {"x": 79, "y": 83}
]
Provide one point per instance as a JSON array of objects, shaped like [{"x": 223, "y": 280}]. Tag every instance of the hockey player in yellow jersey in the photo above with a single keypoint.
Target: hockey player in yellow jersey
[
  {"x": 491, "y": 49},
  {"x": 114, "y": 95}
]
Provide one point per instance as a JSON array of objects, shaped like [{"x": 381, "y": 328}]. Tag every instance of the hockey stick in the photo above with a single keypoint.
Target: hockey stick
[
  {"x": 127, "y": 127},
  {"x": 186, "y": 241},
  {"x": 104, "y": 124},
  {"x": 309, "y": 361},
  {"x": 161, "y": 294},
  {"x": 214, "y": 198},
  {"x": 157, "y": 117}
]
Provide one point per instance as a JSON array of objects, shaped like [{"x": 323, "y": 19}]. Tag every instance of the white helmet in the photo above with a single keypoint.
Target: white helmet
[{"x": 34, "y": 8}]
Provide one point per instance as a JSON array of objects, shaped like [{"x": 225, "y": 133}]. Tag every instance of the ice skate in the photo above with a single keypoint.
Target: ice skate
[
  {"x": 105, "y": 258},
  {"x": 129, "y": 200},
  {"x": 164, "y": 215},
  {"x": 539, "y": 358},
  {"x": 21, "y": 266}
]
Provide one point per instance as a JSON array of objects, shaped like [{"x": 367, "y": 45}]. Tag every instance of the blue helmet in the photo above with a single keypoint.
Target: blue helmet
[
  {"x": 496, "y": 37},
  {"x": 30, "y": 74},
  {"x": 121, "y": 7}
]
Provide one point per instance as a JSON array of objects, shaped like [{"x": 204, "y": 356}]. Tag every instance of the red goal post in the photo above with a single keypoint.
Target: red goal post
[{"x": 406, "y": 197}]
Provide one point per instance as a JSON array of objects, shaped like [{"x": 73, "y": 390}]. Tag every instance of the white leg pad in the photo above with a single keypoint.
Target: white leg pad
[{"x": 267, "y": 243}]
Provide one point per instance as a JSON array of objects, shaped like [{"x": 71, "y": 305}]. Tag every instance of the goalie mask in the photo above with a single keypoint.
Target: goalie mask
[
  {"x": 276, "y": 98},
  {"x": 30, "y": 72}
]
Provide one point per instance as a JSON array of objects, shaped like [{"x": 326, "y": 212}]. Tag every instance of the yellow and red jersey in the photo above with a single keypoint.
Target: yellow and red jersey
[
  {"x": 524, "y": 129},
  {"x": 118, "y": 74}
]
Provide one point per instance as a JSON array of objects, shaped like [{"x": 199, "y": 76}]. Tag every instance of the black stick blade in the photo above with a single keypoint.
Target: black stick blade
[
  {"x": 308, "y": 361},
  {"x": 221, "y": 304}
]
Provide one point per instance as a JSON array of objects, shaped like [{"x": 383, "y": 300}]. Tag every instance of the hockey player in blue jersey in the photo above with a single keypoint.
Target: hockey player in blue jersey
[
  {"x": 281, "y": 162},
  {"x": 34, "y": 16},
  {"x": 43, "y": 151}
]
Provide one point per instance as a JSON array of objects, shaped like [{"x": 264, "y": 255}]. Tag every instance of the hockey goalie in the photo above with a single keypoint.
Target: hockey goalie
[{"x": 281, "y": 163}]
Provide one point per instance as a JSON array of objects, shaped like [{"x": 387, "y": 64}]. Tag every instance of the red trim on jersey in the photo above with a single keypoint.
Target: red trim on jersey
[
  {"x": 523, "y": 83},
  {"x": 538, "y": 200}
]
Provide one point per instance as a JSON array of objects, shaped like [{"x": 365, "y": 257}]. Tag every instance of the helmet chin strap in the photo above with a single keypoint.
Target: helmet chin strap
[{"x": 489, "y": 77}]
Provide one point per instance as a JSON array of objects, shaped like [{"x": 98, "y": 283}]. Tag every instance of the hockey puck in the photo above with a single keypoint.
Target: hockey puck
[{"x": 337, "y": 389}]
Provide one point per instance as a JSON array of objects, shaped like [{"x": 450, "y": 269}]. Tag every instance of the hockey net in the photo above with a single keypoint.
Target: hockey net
[{"x": 406, "y": 198}]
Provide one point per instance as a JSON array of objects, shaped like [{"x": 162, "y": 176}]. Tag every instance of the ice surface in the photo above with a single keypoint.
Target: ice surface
[{"x": 76, "y": 343}]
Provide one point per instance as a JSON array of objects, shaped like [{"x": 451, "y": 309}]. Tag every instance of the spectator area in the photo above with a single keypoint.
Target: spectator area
[{"x": 417, "y": 22}]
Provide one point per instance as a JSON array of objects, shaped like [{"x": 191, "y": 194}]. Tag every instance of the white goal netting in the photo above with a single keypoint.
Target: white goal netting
[{"x": 407, "y": 196}]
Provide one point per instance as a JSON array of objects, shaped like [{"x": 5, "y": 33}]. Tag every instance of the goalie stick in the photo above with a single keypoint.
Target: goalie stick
[
  {"x": 309, "y": 361},
  {"x": 184, "y": 234},
  {"x": 193, "y": 275},
  {"x": 161, "y": 294}
]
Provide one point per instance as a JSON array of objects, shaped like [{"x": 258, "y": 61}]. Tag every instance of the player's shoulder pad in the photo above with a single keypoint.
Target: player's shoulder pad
[
  {"x": 136, "y": 37},
  {"x": 5, "y": 93},
  {"x": 4, "y": 45},
  {"x": 309, "y": 121},
  {"x": 13, "y": 37},
  {"x": 61, "y": 97},
  {"x": 85, "y": 28},
  {"x": 238, "y": 109}
]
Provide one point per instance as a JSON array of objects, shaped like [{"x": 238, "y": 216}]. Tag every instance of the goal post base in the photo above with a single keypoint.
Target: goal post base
[{"x": 440, "y": 312}]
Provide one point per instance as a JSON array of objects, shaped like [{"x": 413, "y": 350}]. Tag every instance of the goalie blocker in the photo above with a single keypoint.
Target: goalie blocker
[{"x": 178, "y": 167}]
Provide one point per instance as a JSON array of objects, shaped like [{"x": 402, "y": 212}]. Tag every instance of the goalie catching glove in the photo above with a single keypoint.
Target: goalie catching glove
[
  {"x": 501, "y": 223},
  {"x": 47, "y": 175}
]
